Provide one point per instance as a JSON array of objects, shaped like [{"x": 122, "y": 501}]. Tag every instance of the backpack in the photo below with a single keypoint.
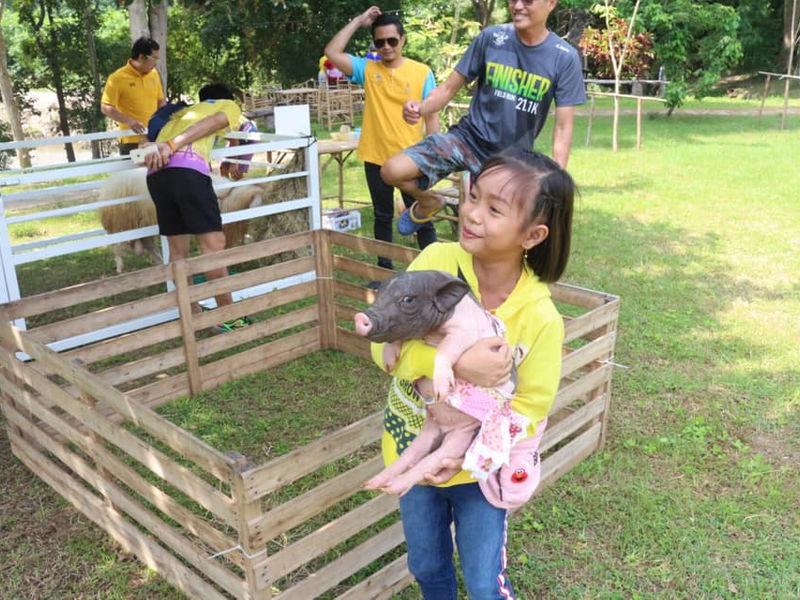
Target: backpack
[{"x": 160, "y": 118}]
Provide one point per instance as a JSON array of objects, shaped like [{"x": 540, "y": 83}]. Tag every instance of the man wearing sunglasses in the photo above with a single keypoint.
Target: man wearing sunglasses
[
  {"x": 133, "y": 93},
  {"x": 521, "y": 68},
  {"x": 388, "y": 83}
]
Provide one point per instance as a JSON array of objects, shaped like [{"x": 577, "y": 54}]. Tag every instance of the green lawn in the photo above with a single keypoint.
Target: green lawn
[{"x": 696, "y": 492}]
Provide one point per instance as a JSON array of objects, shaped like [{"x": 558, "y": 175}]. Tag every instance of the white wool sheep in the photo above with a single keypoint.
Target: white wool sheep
[{"x": 142, "y": 213}]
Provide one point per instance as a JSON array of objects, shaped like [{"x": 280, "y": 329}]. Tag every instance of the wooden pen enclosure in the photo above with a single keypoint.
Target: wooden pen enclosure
[{"x": 214, "y": 524}]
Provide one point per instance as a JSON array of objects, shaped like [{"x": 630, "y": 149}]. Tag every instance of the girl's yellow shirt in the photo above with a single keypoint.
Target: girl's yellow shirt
[{"x": 534, "y": 331}]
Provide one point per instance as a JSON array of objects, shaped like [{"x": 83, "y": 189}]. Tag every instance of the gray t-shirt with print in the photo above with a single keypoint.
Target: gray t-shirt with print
[{"x": 516, "y": 84}]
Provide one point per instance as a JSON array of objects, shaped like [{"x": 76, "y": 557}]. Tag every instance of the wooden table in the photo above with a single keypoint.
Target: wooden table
[
  {"x": 339, "y": 152},
  {"x": 304, "y": 95}
]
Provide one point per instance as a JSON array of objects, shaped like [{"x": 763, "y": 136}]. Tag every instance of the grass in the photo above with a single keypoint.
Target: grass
[{"x": 695, "y": 493}]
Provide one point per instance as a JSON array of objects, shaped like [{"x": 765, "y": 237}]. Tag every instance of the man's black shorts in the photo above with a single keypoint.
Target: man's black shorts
[{"x": 185, "y": 201}]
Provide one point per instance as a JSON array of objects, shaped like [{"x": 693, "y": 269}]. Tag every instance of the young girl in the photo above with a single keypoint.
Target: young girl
[{"x": 514, "y": 238}]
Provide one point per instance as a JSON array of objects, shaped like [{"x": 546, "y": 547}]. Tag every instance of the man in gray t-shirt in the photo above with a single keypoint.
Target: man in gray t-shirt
[{"x": 520, "y": 67}]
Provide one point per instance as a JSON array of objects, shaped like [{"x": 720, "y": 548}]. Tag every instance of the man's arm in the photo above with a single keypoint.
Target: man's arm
[
  {"x": 335, "y": 48},
  {"x": 111, "y": 112},
  {"x": 432, "y": 124},
  {"x": 439, "y": 97},
  {"x": 562, "y": 134},
  {"x": 206, "y": 126}
]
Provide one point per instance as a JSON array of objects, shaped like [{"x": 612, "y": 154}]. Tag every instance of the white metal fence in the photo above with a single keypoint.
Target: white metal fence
[{"x": 34, "y": 205}]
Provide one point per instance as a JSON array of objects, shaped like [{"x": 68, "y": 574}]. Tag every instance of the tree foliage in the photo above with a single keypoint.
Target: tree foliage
[{"x": 638, "y": 58}]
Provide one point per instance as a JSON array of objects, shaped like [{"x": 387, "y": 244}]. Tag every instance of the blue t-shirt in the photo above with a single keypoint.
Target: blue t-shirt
[{"x": 516, "y": 84}]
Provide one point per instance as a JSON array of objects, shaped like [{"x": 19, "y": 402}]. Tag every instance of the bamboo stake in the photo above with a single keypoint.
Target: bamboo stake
[{"x": 789, "y": 67}]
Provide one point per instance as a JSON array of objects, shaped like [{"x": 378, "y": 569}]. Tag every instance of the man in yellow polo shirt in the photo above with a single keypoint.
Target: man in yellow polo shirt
[
  {"x": 134, "y": 92},
  {"x": 388, "y": 84}
]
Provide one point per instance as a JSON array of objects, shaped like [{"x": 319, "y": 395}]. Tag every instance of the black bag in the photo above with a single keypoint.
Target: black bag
[{"x": 160, "y": 118}]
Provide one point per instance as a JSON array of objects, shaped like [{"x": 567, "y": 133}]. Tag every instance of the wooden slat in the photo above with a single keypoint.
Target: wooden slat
[
  {"x": 129, "y": 342},
  {"x": 126, "y": 534},
  {"x": 326, "y": 537},
  {"x": 353, "y": 343},
  {"x": 181, "y": 278},
  {"x": 241, "y": 281},
  {"x": 586, "y": 354},
  {"x": 383, "y": 584},
  {"x": 176, "y": 438},
  {"x": 85, "y": 292},
  {"x": 361, "y": 269},
  {"x": 191, "y": 522},
  {"x": 324, "y": 268},
  {"x": 344, "y": 566},
  {"x": 562, "y": 461},
  {"x": 256, "y": 304},
  {"x": 290, "y": 467},
  {"x": 142, "y": 368},
  {"x": 160, "y": 392},
  {"x": 155, "y": 460},
  {"x": 578, "y": 296},
  {"x": 374, "y": 247},
  {"x": 266, "y": 363},
  {"x": 297, "y": 510},
  {"x": 590, "y": 321},
  {"x": 354, "y": 291},
  {"x": 258, "y": 330},
  {"x": 103, "y": 318},
  {"x": 580, "y": 387},
  {"x": 172, "y": 537},
  {"x": 570, "y": 424},
  {"x": 240, "y": 254},
  {"x": 344, "y": 312},
  {"x": 230, "y": 364}
]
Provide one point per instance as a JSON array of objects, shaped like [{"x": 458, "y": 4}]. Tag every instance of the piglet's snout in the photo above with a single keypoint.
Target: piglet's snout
[{"x": 363, "y": 324}]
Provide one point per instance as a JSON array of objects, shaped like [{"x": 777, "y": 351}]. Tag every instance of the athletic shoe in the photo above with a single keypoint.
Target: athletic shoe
[
  {"x": 233, "y": 324},
  {"x": 374, "y": 285}
]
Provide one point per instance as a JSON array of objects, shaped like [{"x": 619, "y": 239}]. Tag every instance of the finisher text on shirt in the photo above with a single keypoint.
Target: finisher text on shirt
[{"x": 516, "y": 81}]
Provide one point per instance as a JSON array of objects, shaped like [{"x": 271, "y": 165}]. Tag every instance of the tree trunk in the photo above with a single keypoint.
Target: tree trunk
[
  {"x": 483, "y": 10},
  {"x": 579, "y": 20},
  {"x": 137, "y": 13},
  {"x": 158, "y": 31},
  {"x": 789, "y": 28},
  {"x": 89, "y": 24},
  {"x": 52, "y": 54},
  {"x": 9, "y": 101}
]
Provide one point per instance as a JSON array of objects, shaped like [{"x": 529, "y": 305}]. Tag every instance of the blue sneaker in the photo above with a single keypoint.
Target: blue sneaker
[{"x": 408, "y": 224}]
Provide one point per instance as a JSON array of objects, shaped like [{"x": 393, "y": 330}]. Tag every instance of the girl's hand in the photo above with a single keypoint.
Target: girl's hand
[{"x": 487, "y": 363}]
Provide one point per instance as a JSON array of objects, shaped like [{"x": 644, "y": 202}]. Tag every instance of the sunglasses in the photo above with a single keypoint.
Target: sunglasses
[{"x": 381, "y": 42}]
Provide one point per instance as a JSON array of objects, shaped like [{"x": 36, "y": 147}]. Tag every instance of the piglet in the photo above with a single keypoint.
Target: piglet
[{"x": 439, "y": 308}]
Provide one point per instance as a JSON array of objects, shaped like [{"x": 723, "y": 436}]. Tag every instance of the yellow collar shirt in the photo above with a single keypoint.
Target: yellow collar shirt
[{"x": 133, "y": 94}]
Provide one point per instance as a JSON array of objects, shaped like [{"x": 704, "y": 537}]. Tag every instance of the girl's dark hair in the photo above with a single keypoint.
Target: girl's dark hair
[
  {"x": 215, "y": 91},
  {"x": 539, "y": 178},
  {"x": 383, "y": 19}
]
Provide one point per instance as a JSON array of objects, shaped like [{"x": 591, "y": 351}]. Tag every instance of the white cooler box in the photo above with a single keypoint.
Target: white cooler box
[{"x": 341, "y": 220}]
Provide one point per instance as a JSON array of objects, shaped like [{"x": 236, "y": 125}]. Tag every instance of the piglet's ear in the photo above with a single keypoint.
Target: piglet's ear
[{"x": 450, "y": 294}]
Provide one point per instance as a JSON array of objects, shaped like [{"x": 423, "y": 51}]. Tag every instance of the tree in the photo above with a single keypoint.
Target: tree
[
  {"x": 483, "y": 11},
  {"x": 791, "y": 22},
  {"x": 148, "y": 18},
  {"x": 9, "y": 100},
  {"x": 617, "y": 52}
]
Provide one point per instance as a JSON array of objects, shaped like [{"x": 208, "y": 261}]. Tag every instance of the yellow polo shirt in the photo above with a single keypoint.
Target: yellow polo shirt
[
  {"x": 384, "y": 133},
  {"x": 133, "y": 94}
]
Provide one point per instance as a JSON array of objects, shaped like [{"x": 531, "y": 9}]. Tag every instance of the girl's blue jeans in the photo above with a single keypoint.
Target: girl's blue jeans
[{"x": 427, "y": 513}]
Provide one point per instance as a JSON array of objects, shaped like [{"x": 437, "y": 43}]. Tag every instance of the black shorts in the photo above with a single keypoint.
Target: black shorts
[{"x": 185, "y": 201}]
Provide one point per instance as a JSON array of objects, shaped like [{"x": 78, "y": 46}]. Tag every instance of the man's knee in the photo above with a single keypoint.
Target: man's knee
[
  {"x": 399, "y": 169},
  {"x": 212, "y": 241}
]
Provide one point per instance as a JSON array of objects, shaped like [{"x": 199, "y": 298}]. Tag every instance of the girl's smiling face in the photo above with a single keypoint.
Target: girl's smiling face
[{"x": 495, "y": 219}]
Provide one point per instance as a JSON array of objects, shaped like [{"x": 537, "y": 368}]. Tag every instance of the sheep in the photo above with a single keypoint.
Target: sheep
[{"x": 141, "y": 213}]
